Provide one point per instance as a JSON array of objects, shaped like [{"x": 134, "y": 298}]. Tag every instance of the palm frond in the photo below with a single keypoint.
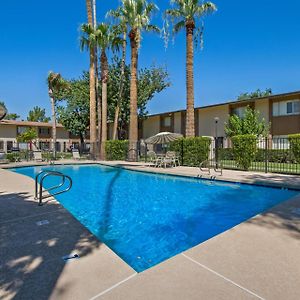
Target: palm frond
[
  {"x": 152, "y": 28},
  {"x": 178, "y": 26}
]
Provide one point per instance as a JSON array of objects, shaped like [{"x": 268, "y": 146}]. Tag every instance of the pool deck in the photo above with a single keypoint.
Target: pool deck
[{"x": 258, "y": 259}]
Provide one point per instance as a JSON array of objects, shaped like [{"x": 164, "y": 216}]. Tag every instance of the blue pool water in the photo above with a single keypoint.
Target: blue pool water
[{"x": 147, "y": 218}]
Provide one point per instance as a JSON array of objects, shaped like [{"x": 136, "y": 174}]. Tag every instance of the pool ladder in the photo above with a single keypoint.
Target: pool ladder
[{"x": 40, "y": 191}]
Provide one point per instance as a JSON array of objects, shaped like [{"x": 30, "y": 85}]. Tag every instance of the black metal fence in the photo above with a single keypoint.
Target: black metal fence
[{"x": 274, "y": 155}]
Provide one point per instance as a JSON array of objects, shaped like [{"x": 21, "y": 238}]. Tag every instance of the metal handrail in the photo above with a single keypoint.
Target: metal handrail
[
  {"x": 217, "y": 166},
  {"x": 39, "y": 195}
]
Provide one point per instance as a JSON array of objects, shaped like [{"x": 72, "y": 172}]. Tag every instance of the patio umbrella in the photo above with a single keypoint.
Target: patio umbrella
[{"x": 163, "y": 138}]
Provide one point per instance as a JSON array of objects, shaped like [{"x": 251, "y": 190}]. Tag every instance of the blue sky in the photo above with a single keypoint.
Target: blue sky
[{"x": 247, "y": 45}]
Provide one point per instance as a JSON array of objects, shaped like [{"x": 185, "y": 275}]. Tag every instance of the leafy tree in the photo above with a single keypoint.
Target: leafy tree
[
  {"x": 74, "y": 113},
  {"x": 137, "y": 16},
  {"x": 38, "y": 114},
  {"x": 27, "y": 136},
  {"x": 151, "y": 81},
  {"x": 9, "y": 116},
  {"x": 186, "y": 14},
  {"x": 256, "y": 94},
  {"x": 251, "y": 123}
]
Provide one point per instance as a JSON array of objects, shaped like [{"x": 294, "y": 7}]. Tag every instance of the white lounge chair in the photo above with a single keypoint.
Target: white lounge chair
[
  {"x": 76, "y": 154},
  {"x": 37, "y": 156}
]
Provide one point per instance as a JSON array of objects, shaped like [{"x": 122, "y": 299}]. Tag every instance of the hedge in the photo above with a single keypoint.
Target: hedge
[
  {"x": 116, "y": 149},
  {"x": 244, "y": 150},
  {"x": 294, "y": 140},
  {"x": 191, "y": 151},
  {"x": 273, "y": 155}
]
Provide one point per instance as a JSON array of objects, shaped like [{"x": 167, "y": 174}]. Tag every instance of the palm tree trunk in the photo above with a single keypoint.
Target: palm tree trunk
[
  {"x": 53, "y": 123},
  {"x": 133, "y": 123},
  {"x": 104, "y": 78},
  {"x": 190, "y": 111},
  {"x": 98, "y": 96},
  {"x": 93, "y": 127},
  {"x": 117, "y": 111}
]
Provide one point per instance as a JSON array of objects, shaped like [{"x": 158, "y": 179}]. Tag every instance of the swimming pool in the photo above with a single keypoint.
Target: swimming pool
[{"x": 147, "y": 218}]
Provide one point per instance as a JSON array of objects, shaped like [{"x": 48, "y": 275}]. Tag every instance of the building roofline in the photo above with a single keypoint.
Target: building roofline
[
  {"x": 230, "y": 103},
  {"x": 28, "y": 123}
]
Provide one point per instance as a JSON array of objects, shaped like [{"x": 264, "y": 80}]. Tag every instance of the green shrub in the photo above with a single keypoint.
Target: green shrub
[
  {"x": 244, "y": 149},
  {"x": 294, "y": 140},
  {"x": 191, "y": 151},
  {"x": 225, "y": 154},
  {"x": 274, "y": 155},
  {"x": 116, "y": 150},
  {"x": 12, "y": 157}
]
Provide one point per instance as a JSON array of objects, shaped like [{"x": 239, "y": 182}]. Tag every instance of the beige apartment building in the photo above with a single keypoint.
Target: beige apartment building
[
  {"x": 281, "y": 111},
  {"x": 9, "y": 130}
]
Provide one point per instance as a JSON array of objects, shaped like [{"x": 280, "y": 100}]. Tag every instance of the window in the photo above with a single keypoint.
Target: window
[
  {"x": 239, "y": 111},
  {"x": 21, "y": 130},
  {"x": 44, "y": 146},
  {"x": 1, "y": 146},
  {"x": 44, "y": 131},
  {"x": 167, "y": 121},
  {"x": 286, "y": 108}
]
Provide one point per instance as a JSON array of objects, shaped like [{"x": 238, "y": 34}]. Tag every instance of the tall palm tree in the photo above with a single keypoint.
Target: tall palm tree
[
  {"x": 93, "y": 126},
  {"x": 55, "y": 85},
  {"x": 185, "y": 14},
  {"x": 137, "y": 15},
  {"x": 122, "y": 26},
  {"x": 107, "y": 37}
]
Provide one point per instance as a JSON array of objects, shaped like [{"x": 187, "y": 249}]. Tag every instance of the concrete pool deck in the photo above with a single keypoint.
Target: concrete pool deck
[{"x": 258, "y": 259}]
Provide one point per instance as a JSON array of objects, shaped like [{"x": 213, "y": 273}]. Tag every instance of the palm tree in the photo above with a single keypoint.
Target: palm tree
[
  {"x": 122, "y": 26},
  {"x": 91, "y": 47},
  {"x": 107, "y": 38},
  {"x": 185, "y": 14},
  {"x": 137, "y": 15},
  {"x": 55, "y": 85}
]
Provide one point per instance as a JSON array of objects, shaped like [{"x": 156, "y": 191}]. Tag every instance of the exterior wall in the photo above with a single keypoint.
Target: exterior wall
[
  {"x": 177, "y": 122},
  {"x": 8, "y": 136},
  {"x": 8, "y": 132},
  {"x": 151, "y": 126},
  {"x": 263, "y": 107},
  {"x": 284, "y": 125},
  {"x": 207, "y": 120},
  {"x": 61, "y": 133}
]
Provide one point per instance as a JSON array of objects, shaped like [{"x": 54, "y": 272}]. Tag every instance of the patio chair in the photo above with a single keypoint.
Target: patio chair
[
  {"x": 154, "y": 159},
  {"x": 76, "y": 154},
  {"x": 175, "y": 159},
  {"x": 37, "y": 156},
  {"x": 3, "y": 159}
]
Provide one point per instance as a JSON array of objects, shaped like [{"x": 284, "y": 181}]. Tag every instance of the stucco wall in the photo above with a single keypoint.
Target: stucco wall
[
  {"x": 8, "y": 132},
  {"x": 62, "y": 134},
  {"x": 263, "y": 107},
  {"x": 207, "y": 122},
  {"x": 151, "y": 126}
]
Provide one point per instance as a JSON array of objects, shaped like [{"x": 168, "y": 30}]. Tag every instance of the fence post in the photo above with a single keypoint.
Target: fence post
[
  {"x": 266, "y": 154},
  {"x": 182, "y": 152}
]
